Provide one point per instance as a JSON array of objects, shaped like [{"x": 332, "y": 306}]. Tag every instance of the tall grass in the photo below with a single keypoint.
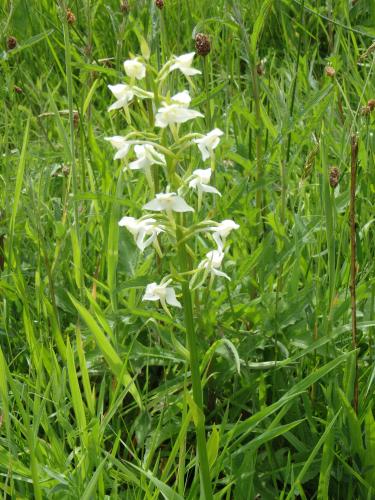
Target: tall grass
[{"x": 94, "y": 384}]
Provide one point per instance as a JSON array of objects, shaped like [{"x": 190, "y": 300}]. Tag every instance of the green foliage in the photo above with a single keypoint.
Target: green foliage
[{"x": 95, "y": 396}]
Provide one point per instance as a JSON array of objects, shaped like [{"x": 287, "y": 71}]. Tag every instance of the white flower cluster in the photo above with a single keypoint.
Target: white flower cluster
[{"x": 173, "y": 111}]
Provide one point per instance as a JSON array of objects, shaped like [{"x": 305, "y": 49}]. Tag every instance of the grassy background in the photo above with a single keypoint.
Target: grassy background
[{"x": 276, "y": 343}]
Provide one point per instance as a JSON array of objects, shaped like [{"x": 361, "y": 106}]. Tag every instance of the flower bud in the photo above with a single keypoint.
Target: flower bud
[
  {"x": 202, "y": 44},
  {"x": 70, "y": 16},
  {"x": 330, "y": 71},
  {"x": 11, "y": 42},
  {"x": 334, "y": 177},
  {"x": 159, "y": 4}
]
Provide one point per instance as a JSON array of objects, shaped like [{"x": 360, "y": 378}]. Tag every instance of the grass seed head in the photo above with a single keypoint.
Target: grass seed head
[
  {"x": 334, "y": 177},
  {"x": 330, "y": 71},
  {"x": 202, "y": 44},
  {"x": 17, "y": 90},
  {"x": 125, "y": 7},
  {"x": 11, "y": 42},
  {"x": 371, "y": 104},
  {"x": 159, "y": 4},
  {"x": 70, "y": 16}
]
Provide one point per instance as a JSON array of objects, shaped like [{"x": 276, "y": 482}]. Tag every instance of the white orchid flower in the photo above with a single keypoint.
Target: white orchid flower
[
  {"x": 176, "y": 111},
  {"x": 146, "y": 156},
  {"x": 121, "y": 144},
  {"x": 169, "y": 202},
  {"x": 201, "y": 179},
  {"x": 209, "y": 142},
  {"x": 212, "y": 262},
  {"x": 142, "y": 228},
  {"x": 183, "y": 63},
  {"x": 162, "y": 292},
  {"x": 123, "y": 93},
  {"x": 182, "y": 98},
  {"x": 135, "y": 69},
  {"x": 221, "y": 231},
  {"x": 170, "y": 114}
]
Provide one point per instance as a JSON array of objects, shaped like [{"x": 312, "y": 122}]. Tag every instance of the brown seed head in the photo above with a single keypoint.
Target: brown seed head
[
  {"x": 371, "y": 104},
  {"x": 159, "y": 4},
  {"x": 70, "y": 16},
  {"x": 17, "y": 90},
  {"x": 11, "y": 42},
  {"x": 365, "y": 110},
  {"x": 334, "y": 177},
  {"x": 125, "y": 7},
  {"x": 202, "y": 44},
  {"x": 75, "y": 119},
  {"x": 65, "y": 170},
  {"x": 330, "y": 71}
]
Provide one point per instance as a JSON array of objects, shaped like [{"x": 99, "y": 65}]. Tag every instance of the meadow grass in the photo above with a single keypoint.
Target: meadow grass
[{"x": 95, "y": 385}]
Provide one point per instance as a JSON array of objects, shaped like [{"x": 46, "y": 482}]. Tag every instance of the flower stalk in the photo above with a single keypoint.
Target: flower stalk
[{"x": 194, "y": 366}]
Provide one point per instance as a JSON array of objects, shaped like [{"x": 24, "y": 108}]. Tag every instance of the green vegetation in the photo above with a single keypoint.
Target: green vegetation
[{"x": 96, "y": 393}]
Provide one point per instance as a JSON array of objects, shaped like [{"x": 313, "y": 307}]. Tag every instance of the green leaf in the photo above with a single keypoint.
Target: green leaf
[{"x": 110, "y": 355}]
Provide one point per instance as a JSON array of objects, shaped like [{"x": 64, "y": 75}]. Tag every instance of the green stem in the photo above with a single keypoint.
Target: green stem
[
  {"x": 207, "y": 90},
  {"x": 195, "y": 372}
]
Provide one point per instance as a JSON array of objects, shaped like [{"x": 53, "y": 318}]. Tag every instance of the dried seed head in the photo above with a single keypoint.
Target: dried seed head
[
  {"x": 365, "y": 110},
  {"x": 17, "y": 90},
  {"x": 202, "y": 44},
  {"x": 330, "y": 71},
  {"x": 70, "y": 16},
  {"x": 371, "y": 104},
  {"x": 75, "y": 119},
  {"x": 65, "y": 170},
  {"x": 334, "y": 177},
  {"x": 11, "y": 42},
  {"x": 125, "y": 7},
  {"x": 159, "y": 4}
]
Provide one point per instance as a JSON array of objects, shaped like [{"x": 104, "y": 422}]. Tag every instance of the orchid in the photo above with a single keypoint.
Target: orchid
[
  {"x": 135, "y": 69},
  {"x": 169, "y": 202},
  {"x": 121, "y": 144},
  {"x": 183, "y": 63},
  {"x": 182, "y": 98},
  {"x": 209, "y": 142},
  {"x": 170, "y": 114},
  {"x": 123, "y": 93},
  {"x": 212, "y": 262},
  {"x": 142, "y": 228},
  {"x": 222, "y": 230},
  {"x": 146, "y": 156},
  {"x": 162, "y": 292},
  {"x": 200, "y": 181}
]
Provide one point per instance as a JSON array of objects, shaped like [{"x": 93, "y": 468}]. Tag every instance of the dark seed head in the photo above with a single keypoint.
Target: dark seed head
[
  {"x": 159, "y": 4},
  {"x": 334, "y": 177},
  {"x": 70, "y": 16},
  {"x": 371, "y": 104},
  {"x": 17, "y": 90},
  {"x": 125, "y": 7},
  {"x": 365, "y": 110},
  {"x": 11, "y": 42},
  {"x": 202, "y": 44}
]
